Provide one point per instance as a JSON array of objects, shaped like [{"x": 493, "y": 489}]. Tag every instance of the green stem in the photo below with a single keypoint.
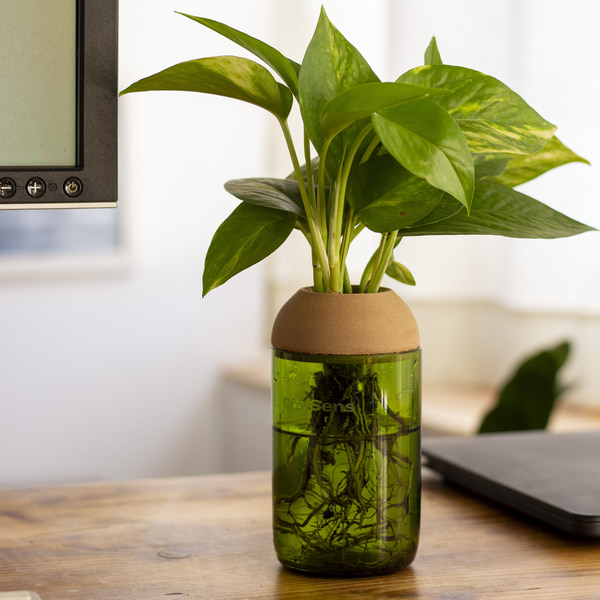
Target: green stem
[
  {"x": 322, "y": 214},
  {"x": 309, "y": 207},
  {"x": 387, "y": 248},
  {"x": 321, "y": 195},
  {"x": 367, "y": 273},
  {"x": 347, "y": 282},
  {"x": 310, "y": 184},
  {"x": 337, "y": 256},
  {"x": 370, "y": 149},
  {"x": 350, "y": 232},
  {"x": 334, "y": 238},
  {"x": 317, "y": 273},
  {"x": 318, "y": 279}
]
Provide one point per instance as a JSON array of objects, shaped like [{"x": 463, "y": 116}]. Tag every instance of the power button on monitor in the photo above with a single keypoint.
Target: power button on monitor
[{"x": 73, "y": 187}]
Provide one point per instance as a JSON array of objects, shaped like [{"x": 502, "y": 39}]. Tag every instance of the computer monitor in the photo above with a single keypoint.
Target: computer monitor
[{"x": 58, "y": 103}]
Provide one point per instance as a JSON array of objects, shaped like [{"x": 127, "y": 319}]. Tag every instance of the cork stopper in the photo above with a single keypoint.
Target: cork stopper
[{"x": 345, "y": 324}]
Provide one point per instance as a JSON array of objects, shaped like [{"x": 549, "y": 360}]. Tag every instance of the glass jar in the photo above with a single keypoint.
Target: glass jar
[{"x": 346, "y": 460}]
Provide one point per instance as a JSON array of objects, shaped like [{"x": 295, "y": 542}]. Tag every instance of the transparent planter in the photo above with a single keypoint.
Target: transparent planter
[{"x": 346, "y": 436}]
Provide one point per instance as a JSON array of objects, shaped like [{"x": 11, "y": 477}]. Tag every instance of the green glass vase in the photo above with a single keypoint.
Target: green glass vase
[{"x": 346, "y": 436}]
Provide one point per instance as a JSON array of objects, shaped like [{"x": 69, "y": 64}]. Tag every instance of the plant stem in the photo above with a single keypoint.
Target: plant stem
[
  {"x": 336, "y": 250},
  {"x": 368, "y": 273},
  {"x": 349, "y": 235},
  {"x": 321, "y": 195},
  {"x": 388, "y": 241},
  {"x": 318, "y": 279},
  {"x": 309, "y": 207},
  {"x": 318, "y": 283},
  {"x": 319, "y": 201},
  {"x": 370, "y": 149},
  {"x": 333, "y": 241},
  {"x": 347, "y": 282},
  {"x": 310, "y": 184}
]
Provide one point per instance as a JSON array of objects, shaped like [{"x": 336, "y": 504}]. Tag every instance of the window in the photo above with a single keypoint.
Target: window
[
  {"x": 57, "y": 232},
  {"x": 484, "y": 302}
]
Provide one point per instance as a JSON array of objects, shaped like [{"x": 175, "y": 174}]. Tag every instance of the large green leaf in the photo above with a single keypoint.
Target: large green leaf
[
  {"x": 286, "y": 68},
  {"x": 364, "y": 100},
  {"x": 425, "y": 139},
  {"x": 385, "y": 196},
  {"x": 447, "y": 207},
  {"x": 281, "y": 194},
  {"x": 490, "y": 165},
  {"x": 247, "y": 236},
  {"x": 500, "y": 210},
  {"x": 527, "y": 399},
  {"x": 527, "y": 167},
  {"x": 492, "y": 116},
  {"x": 228, "y": 76},
  {"x": 331, "y": 65}
]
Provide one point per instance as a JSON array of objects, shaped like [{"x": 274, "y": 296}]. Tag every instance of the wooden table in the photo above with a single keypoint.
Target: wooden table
[{"x": 209, "y": 537}]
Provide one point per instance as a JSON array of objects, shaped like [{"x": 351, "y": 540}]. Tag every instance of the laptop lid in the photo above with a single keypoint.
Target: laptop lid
[{"x": 552, "y": 477}]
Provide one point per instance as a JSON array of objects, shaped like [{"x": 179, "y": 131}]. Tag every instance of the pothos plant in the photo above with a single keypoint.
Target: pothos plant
[{"x": 438, "y": 151}]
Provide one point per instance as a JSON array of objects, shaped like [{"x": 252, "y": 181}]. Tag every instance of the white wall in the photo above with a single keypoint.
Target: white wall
[
  {"x": 111, "y": 373},
  {"x": 110, "y": 368},
  {"x": 115, "y": 375}
]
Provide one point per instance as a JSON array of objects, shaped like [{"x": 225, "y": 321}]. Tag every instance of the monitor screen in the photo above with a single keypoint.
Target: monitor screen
[
  {"x": 38, "y": 83},
  {"x": 58, "y": 103}
]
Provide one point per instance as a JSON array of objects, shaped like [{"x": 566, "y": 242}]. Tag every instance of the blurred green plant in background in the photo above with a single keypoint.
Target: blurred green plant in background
[{"x": 529, "y": 396}]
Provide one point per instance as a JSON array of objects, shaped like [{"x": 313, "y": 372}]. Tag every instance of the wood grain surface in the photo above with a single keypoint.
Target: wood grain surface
[{"x": 210, "y": 538}]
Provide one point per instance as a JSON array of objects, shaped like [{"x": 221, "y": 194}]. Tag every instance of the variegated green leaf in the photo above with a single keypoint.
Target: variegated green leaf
[
  {"x": 490, "y": 165},
  {"x": 364, "y": 100},
  {"x": 424, "y": 139},
  {"x": 500, "y": 210},
  {"x": 330, "y": 66},
  {"x": 385, "y": 196},
  {"x": 525, "y": 168},
  {"x": 247, "y": 236},
  {"x": 286, "y": 68},
  {"x": 228, "y": 76},
  {"x": 493, "y": 117}
]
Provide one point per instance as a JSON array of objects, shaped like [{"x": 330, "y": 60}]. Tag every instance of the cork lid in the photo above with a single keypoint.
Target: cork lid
[{"x": 345, "y": 324}]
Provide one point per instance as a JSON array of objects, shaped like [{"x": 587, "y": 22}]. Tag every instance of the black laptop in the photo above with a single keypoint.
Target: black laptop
[{"x": 552, "y": 477}]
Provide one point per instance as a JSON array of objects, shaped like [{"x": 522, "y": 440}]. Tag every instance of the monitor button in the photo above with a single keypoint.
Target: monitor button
[
  {"x": 73, "y": 187},
  {"x": 36, "y": 187},
  {"x": 7, "y": 188}
]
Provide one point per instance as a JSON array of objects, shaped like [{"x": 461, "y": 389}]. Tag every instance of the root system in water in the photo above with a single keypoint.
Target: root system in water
[{"x": 346, "y": 480}]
